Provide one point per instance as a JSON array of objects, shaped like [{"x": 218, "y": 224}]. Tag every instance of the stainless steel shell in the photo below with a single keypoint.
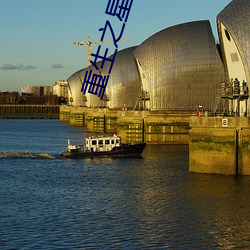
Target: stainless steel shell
[
  {"x": 76, "y": 97},
  {"x": 180, "y": 67},
  {"x": 124, "y": 84},
  {"x": 123, "y": 87},
  {"x": 236, "y": 18}
]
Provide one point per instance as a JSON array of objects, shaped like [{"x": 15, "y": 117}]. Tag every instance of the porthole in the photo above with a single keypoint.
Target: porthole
[{"x": 227, "y": 35}]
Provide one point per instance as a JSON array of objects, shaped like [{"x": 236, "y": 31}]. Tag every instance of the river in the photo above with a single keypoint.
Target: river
[{"x": 48, "y": 202}]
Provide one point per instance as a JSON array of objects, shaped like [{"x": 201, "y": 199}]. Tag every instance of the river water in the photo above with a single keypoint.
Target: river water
[{"x": 149, "y": 203}]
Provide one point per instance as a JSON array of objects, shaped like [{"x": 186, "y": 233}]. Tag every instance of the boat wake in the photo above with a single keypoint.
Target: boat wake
[{"x": 26, "y": 154}]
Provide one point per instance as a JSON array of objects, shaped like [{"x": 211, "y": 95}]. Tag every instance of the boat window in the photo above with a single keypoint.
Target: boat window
[
  {"x": 94, "y": 142},
  {"x": 117, "y": 141},
  {"x": 100, "y": 142},
  {"x": 112, "y": 142},
  {"x": 107, "y": 142}
]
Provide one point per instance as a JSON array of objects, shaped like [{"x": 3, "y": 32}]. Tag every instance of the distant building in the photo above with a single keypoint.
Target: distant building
[
  {"x": 9, "y": 97},
  {"x": 37, "y": 90},
  {"x": 39, "y": 95},
  {"x": 47, "y": 90},
  {"x": 41, "y": 100},
  {"x": 60, "y": 89},
  {"x": 30, "y": 90}
]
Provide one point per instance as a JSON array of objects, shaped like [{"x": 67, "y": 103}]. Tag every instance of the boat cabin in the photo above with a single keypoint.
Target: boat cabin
[{"x": 102, "y": 143}]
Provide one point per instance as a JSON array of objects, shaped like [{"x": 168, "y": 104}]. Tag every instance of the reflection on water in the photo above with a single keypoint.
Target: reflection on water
[
  {"x": 224, "y": 201},
  {"x": 145, "y": 203}
]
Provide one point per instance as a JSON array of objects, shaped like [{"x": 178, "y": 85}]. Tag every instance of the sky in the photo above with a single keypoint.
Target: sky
[{"x": 36, "y": 35}]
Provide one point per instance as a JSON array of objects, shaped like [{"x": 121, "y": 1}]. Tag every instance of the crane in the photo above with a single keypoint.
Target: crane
[{"x": 89, "y": 43}]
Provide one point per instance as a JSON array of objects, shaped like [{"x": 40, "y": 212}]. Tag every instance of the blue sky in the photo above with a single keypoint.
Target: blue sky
[{"x": 36, "y": 35}]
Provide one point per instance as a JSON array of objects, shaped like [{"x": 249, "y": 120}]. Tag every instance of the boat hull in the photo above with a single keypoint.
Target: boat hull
[{"x": 126, "y": 150}]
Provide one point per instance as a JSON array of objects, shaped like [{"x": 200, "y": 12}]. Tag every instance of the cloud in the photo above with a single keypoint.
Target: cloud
[
  {"x": 57, "y": 66},
  {"x": 27, "y": 67},
  {"x": 7, "y": 66}
]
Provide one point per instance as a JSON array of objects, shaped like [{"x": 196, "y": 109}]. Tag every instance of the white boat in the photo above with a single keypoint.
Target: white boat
[{"x": 103, "y": 146}]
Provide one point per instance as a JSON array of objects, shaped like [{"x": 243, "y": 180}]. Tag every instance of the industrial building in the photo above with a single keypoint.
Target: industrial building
[
  {"x": 9, "y": 97},
  {"x": 60, "y": 89},
  {"x": 53, "y": 95},
  {"x": 37, "y": 90}
]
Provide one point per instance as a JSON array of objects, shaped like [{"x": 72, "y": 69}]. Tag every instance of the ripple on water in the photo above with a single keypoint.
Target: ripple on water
[{"x": 145, "y": 203}]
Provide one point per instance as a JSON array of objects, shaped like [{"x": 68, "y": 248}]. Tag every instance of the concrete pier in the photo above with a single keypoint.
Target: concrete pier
[
  {"x": 219, "y": 145},
  {"x": 132, "y": 126}
]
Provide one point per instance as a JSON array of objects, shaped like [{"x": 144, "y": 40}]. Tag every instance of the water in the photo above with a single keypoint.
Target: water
[{"x": 148, "y": 203}]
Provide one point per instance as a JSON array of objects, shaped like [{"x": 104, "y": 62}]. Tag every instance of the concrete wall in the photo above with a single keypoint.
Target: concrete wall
[
  {"x": 64, "y": 114},
  {"x": 132, "y": 126},
  {"x": 167, "y": 129},
  {"x": 219, "y": 145}
]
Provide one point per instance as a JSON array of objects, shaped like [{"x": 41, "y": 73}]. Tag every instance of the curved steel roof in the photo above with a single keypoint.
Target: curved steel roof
[
  {"x": 123, "y": 87},
  {"x": 124, "y": 84},
  {"x": 180, "y": 67},
  {"x": 76, "y": 97},
  {"x": 236, "y": 18},
  {"x": 91, "y": 100}
]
